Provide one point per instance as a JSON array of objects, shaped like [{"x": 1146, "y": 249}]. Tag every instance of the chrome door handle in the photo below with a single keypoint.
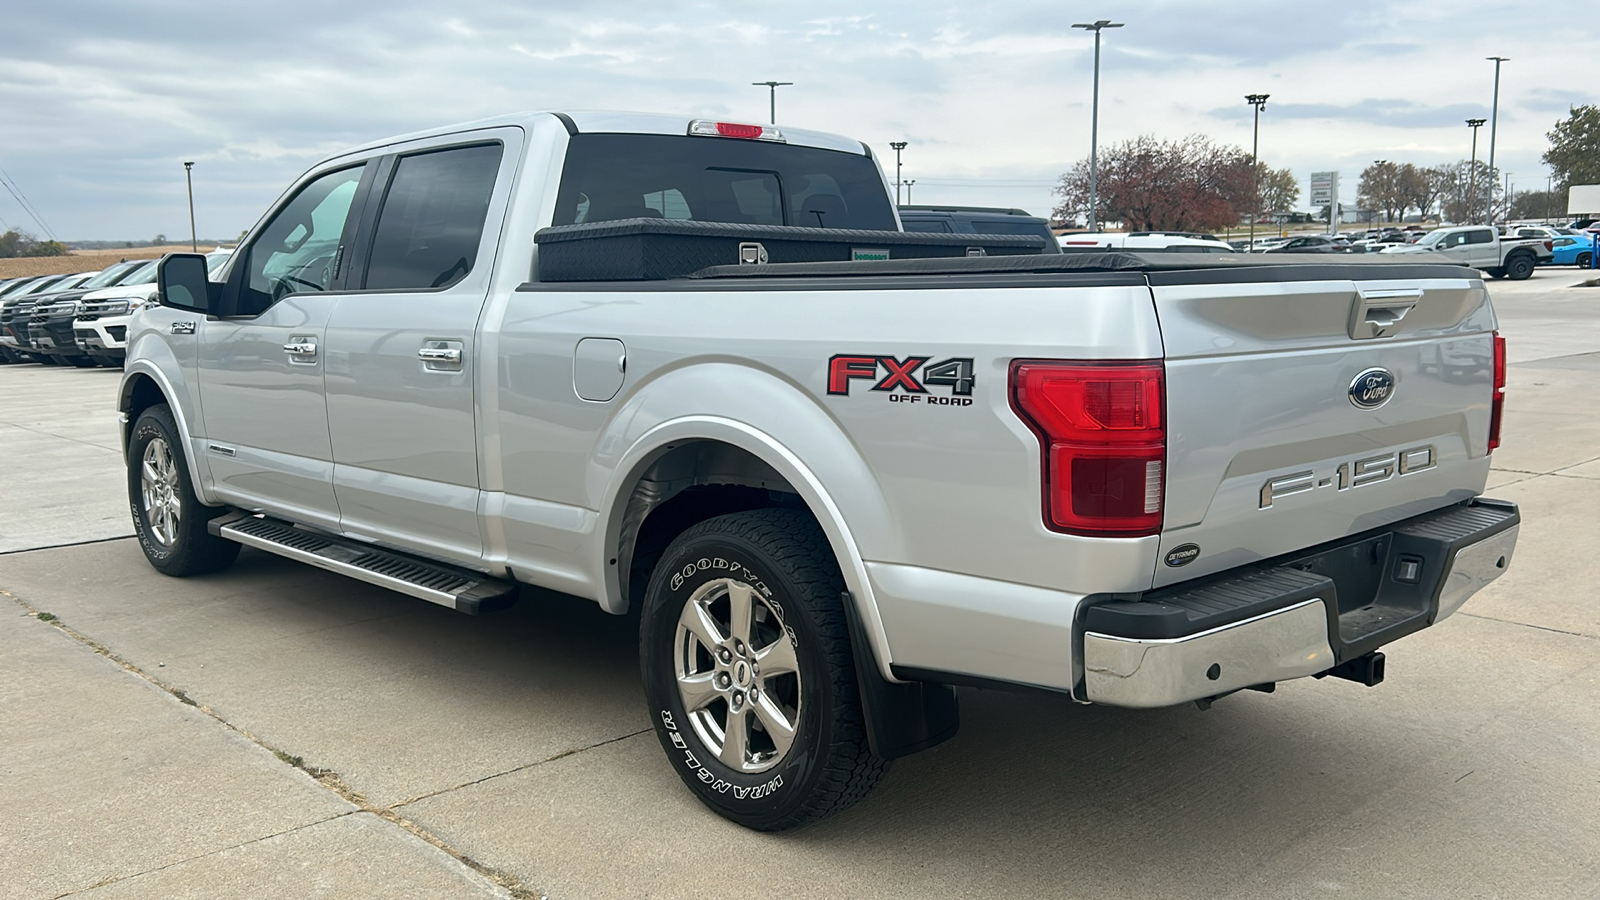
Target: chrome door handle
[
  {"x": 440, "y": 355},
  {"x": 300, "y": 348}
]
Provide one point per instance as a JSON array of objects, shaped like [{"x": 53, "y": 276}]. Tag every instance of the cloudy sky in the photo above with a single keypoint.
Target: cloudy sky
[{"x": 100, "y": 103}]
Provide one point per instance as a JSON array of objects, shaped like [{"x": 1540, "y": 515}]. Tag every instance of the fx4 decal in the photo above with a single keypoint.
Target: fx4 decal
[{"x": 955, "y": 373}]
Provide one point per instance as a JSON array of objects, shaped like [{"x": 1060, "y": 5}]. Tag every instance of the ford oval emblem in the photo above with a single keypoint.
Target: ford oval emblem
[
  {"x": 1182, "y": 555},
  {"x": 1372, "y": 388}
]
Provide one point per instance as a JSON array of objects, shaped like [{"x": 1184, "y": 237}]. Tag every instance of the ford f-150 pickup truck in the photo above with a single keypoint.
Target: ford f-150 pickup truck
[
  {"x": 1481, "y": 247},
  {"x": 694, "y": 369}
]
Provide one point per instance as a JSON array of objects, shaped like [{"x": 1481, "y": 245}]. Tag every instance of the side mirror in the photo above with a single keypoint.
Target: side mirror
[{"x": 182, "y": 282}]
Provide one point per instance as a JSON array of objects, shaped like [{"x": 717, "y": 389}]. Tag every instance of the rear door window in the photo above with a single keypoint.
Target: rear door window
[{"x": 432, "y": 218}]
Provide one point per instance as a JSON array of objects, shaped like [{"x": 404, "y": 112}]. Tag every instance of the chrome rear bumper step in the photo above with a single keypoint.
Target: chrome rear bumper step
[{"x": 460, "y": 589}]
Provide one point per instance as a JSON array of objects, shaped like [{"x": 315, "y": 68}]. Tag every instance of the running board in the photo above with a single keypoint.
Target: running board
[{"x": 460, "y": 589}]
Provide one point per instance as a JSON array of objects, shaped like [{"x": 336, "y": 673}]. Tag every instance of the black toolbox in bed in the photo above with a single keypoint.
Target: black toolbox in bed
[{"x": 658, "y": 249}]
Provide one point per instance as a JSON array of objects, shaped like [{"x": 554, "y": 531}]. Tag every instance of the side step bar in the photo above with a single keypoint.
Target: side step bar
[{"x": 460, "y": 589}]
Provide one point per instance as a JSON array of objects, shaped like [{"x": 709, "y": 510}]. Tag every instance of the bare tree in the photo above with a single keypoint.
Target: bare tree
[
  {"x": 1191, "y": 184},
  {"x": 1280, "y": 190}
]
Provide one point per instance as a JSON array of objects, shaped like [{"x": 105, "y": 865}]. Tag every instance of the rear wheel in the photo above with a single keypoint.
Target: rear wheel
[
  {"x": 168, "y": 518},
  {"x": 748, "y": 671},
  {"x": 1519, "y": 267},
  {"x": 1585, "y": 260}
]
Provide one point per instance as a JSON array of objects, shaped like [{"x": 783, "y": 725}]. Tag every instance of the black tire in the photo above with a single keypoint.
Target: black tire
[
  {"x": 1519, "y": 267},
  {"x": 796, "y": 622},
  {"x": 1584, "y": 260},
  {"x": 171, "y": 522}
]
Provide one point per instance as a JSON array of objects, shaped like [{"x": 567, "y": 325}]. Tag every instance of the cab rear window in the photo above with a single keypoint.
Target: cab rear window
[{"x": 708, "y": 179}]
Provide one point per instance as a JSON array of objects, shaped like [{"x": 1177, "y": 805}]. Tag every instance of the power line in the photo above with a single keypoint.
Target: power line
[{"x": 22, "y": 200}]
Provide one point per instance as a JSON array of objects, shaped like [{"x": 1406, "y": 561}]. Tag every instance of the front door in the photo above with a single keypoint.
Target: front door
[
  {"x": 261, "y": 364},
  {"x": 401, "y": 348}
]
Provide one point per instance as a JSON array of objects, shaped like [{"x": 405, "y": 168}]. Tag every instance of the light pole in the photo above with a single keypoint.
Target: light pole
[
  {"x": 1094, "y": 117},
  {"x": 1377, "y": 173},
  {"x": 1472, "y": 171},
  {"x": 194, "y": 243},
  {"x": 1505, "y": 193},
  {"x": 1259, "y": 101},
  {"x": 898, "y": 146},
  {"x": 909, "y": 183},
  {"x": 1494, "y": 118},
  {"x": 772, "y": 95}
]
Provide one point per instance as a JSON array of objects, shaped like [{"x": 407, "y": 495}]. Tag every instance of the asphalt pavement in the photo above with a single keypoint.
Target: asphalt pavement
[{"x": 274, "y": 729}]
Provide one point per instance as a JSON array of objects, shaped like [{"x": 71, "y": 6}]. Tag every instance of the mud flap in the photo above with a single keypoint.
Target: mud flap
[{"x": 901, "y": 719}]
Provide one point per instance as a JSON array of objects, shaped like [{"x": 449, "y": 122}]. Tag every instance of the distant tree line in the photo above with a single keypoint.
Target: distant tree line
[
  {"x": 16, "y": 243},
  {"x": 1192, "y": 184}
]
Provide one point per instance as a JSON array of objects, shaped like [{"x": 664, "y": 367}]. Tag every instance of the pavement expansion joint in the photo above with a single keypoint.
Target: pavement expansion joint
[
  {"x": 1582, "y": 634},
  {"x": 515, "y": 769},
  {"x": 179, "y": 862},
  {"x": 327, "y": 778},
  {"x": 62, "y": 437},
  {"x": 106, "y": 540}
]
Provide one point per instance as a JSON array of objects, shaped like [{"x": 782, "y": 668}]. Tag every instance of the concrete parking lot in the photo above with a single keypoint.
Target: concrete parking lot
[{"x": 277, "y": 730}]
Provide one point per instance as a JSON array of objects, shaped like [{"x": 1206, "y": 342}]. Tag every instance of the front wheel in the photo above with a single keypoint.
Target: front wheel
[
  {"x": 168, "y": 518},
  {"x": 748, "y": 670},
  {"x": 1519, "y": 267}
]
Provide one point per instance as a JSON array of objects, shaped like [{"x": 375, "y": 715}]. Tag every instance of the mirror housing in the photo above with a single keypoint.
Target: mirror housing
[{"x": 183, "y": 282}]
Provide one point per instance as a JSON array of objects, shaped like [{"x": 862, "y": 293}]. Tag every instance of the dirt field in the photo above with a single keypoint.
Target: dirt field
[{"x": 83, "y": 260}]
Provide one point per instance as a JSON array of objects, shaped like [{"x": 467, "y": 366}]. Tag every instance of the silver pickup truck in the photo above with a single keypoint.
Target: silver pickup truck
[{"x": 566, "y": 350}]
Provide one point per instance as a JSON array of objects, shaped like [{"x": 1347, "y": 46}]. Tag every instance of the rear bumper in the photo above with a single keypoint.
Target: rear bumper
[{"x": 1295, "y": 617}]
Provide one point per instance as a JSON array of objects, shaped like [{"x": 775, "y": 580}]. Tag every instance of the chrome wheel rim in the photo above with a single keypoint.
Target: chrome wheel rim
[
  {"x": 738, "y": 676},
  {"x": 158, "y": 487}
]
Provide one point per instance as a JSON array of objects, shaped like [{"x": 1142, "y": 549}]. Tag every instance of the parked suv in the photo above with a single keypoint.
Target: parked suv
[
  {"x": 977, "y": 220},
  {"x": 101, "y": 325},
  {"x": 50, "y": 327},
  {"x": 16, "y": 311}
]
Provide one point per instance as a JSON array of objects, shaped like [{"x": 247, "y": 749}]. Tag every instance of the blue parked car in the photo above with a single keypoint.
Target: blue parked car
[{"x": 1573, "y": 249}]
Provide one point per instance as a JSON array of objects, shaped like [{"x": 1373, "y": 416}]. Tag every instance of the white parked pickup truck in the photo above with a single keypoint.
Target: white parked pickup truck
[
  {"x": 1480, "y": 247},
  {"x": 694, "y": 368}
]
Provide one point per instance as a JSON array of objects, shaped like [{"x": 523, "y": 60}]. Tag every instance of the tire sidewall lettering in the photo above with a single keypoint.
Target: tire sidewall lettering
[{"x": 709, "y": 778}]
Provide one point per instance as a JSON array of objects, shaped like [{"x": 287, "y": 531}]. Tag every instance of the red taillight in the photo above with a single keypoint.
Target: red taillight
[
  {"x": 1497, "y": 402},
  {"x": 1102, "y": 434}
]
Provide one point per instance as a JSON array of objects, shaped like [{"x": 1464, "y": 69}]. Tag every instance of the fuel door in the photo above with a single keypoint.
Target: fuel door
[{"x": 598, "y": 368}]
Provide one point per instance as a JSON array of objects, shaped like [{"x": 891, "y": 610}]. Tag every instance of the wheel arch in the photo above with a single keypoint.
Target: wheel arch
[
  {"x": 732, "y": 464},
  {"x": 144, "y": 386}
]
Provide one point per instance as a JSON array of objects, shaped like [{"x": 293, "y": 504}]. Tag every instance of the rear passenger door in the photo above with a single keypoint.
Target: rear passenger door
[{"x": 400, "y": 346}]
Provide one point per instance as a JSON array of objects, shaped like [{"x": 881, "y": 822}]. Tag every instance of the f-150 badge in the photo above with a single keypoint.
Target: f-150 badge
[{"x": 899, "y": 380}]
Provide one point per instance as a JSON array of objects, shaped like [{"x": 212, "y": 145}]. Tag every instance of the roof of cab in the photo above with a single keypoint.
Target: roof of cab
[{"x": 610, "y": 122}]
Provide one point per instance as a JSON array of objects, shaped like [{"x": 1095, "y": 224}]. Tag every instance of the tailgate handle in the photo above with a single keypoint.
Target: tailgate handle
[{"x": 1377, "y": 313}]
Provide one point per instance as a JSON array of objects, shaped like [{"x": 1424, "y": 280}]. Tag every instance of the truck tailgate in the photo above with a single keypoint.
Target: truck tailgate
[{"x": 1301, "y": 412}]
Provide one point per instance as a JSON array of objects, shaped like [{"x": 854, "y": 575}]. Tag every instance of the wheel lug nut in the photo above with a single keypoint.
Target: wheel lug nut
[
  {"x": 724, "y": 655},
  {"x": 738, "y": 645},
  {"x": 723, "y": 680},
  {"x": 738, "y": 699},
  {"x": 754, "y": 693}
]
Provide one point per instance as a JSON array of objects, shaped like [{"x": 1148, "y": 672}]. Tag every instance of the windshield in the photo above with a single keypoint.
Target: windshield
[
  {"x": 1431, "y": 238},
  {"x": 109, "y": 275},
  {"x": 626, "y": 176},
  {"x": 144, "y": 273}
]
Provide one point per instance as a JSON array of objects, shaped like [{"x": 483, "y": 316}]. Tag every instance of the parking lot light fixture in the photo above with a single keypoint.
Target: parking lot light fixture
[
  {"x": 1259, "y": 101},
  {"x": 194, "y": 243},
  {"x": 772, "y": 96},
  {"x": 909, "y": 183},
  {"x": 898, "y": 146},
  {"x": 1094, "y": 117},
  {"x": 1494, "y": 118},
  {"x": 1472, "y": 170}
]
